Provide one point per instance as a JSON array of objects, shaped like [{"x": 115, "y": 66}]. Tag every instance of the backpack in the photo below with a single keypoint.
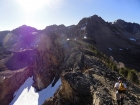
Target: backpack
[{"x": 121, "y": 86}]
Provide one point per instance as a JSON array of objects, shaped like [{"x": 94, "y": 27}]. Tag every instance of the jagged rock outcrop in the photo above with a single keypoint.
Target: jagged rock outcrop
[
  {"x": 42, "y": 63},
  {"x": 24, "y": 30},
  {"x": 119, "y": 39},
  {"x": 48, "y": 60},
  {"x": 75, "y": 90},
  {"x": 90, "y": 88}
]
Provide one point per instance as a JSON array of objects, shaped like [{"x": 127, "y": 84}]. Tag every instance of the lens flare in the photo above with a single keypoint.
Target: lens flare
[{"x": 32, "y": 5}]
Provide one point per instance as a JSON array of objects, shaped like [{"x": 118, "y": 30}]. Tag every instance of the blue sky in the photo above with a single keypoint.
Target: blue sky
[{"x": 41, "y": 13}]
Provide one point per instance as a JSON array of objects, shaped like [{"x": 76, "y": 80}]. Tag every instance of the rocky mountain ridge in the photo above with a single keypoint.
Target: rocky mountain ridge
[
  {"x": 119, "y": 39},
  {"x": 88, "y": 81},
  {"x": 74, "y": 53}
]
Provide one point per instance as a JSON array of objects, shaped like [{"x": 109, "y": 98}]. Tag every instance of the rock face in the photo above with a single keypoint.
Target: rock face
[
  {"x": 89, "y": 88},
  {"x": 21, "y": 60},
  {"x": 91, "y": 84},
  {"x": 48, "y": 59},
  {"x": 10, "y": 82},
  {"x": 75, "y": 90},
  {"x": 119, "y": 39},
  {"x": 73, "y": 54},
  {"x": 42, "y": 63}
]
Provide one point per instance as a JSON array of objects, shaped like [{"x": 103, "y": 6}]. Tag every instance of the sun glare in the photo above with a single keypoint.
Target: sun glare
[
  {"x": 32, "y": 5},
  {"x": 33, "y": 8}
]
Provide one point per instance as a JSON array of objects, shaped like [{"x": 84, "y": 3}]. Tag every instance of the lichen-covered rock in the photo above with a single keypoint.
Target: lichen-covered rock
[{"x": 75, "y": 90}]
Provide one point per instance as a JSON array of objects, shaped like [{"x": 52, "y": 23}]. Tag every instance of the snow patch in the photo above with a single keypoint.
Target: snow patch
[
  {"x": 26, "y": 95},
  {"x": 110, "y": 49},
  {"x": 85, "y": 37},
  {"x": 3, "y": 77},
  {"x": 132, "y": 39},
  {"x": 83, "y": 28}
]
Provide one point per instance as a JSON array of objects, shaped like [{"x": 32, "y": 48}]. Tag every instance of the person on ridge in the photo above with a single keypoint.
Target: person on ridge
[{"x": 120, "y": 87}]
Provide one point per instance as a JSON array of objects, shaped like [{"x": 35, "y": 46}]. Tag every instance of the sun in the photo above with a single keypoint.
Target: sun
[
  {"x": 32, "y": 10},
  {"x": 32, "y": 5}
]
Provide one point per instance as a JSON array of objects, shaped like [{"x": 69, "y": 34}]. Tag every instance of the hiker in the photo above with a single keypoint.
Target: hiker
[{"x": 120, "y": 86}]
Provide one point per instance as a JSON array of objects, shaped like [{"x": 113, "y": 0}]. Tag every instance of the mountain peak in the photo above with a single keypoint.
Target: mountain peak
[
  {"x": 92, "y": 19},
  {"x": 96, "y": 17},
  {"x": 119, "y": 21},
  {"x": 24, "y": 29}
]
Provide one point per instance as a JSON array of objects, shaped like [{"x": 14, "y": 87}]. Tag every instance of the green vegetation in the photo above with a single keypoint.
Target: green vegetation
[
  {"x": 132, "y": 75},
  {"x": 119, "y": 67},
  {"x": 129, "y": 74},
  {"x": 124, "y": 71}
]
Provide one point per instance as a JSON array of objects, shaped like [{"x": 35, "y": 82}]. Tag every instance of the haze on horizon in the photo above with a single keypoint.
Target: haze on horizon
[{"x": 41, "y": 13}]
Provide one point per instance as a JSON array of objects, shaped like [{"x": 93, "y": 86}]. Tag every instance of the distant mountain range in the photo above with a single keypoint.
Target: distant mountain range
[{"x": 118, "y": 39}]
